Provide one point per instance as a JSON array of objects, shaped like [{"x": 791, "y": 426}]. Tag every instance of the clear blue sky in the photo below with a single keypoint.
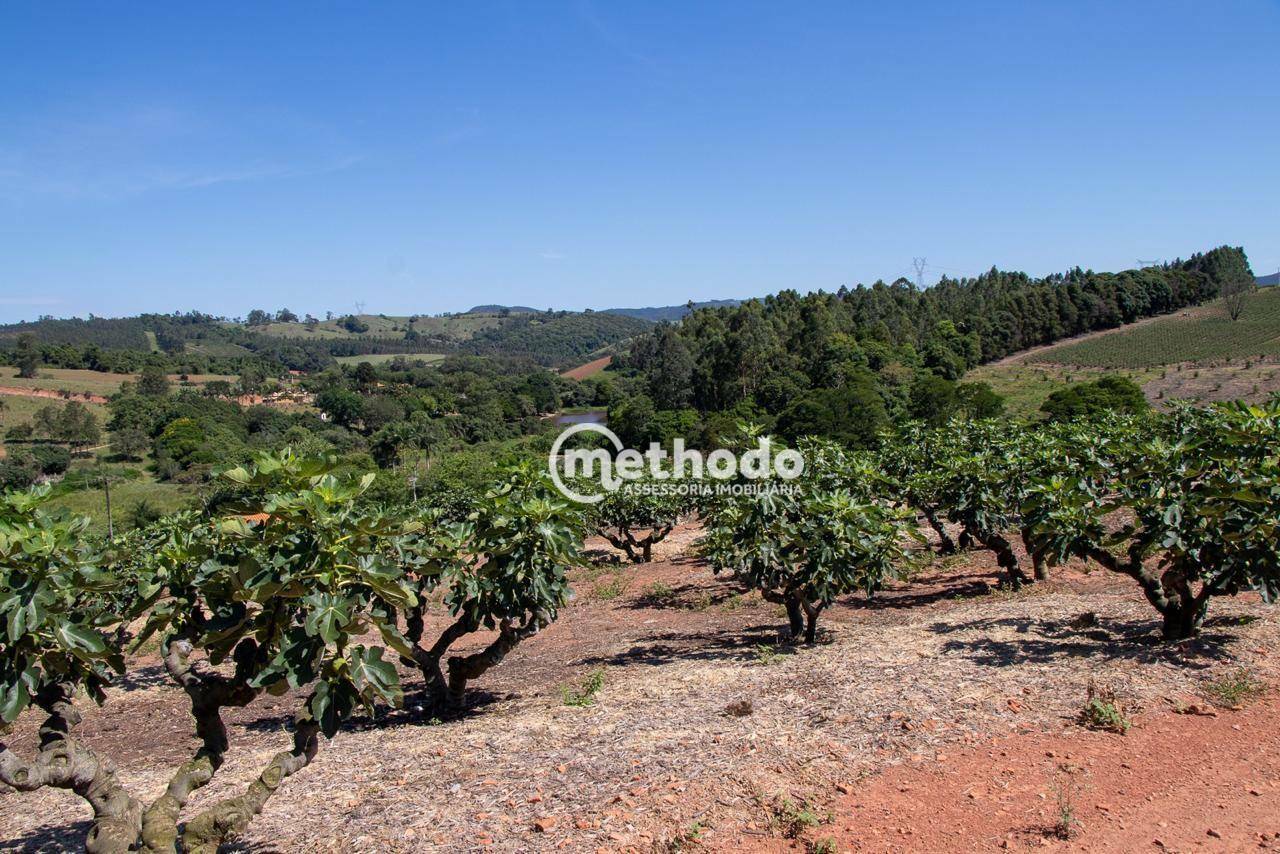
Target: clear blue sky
[{"x": 424, "y": 157}]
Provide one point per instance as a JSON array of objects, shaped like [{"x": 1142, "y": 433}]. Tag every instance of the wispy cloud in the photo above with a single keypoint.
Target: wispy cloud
[
  {"x": 126, "y": 183},
  {"x": 119, "y": 154},
  {"x": 551, "y": 255},
  {"x": 610, "y": 36}
]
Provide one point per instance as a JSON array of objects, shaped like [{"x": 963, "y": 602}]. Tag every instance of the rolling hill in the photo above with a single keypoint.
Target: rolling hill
[
  {"x": 1196, "y": 354},
  {"x": 657, "y": 314},
  {"x": 548, "y": 338}
]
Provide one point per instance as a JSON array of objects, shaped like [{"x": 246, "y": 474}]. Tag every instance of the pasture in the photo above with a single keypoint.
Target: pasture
[{"x": 384, "y": 358}]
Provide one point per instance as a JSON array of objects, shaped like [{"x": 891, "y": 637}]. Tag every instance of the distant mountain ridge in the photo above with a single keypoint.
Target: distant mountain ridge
[
  {"x": 657, "y": 314},
  {"x": 1264, "y": 281},
  {"x": 653, "y": 314},
  {"x": 495, "y": 309}
]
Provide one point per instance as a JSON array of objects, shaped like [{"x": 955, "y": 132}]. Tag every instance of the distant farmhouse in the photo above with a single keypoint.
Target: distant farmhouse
[{"x": 1273, "y": 279}]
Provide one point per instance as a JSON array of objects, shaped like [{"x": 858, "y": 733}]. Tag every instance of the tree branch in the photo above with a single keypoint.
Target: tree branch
[{"x": 204, "y": 833}]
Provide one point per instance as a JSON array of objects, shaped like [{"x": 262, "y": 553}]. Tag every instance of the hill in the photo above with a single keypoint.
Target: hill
[
  {"x": 1198, "y": 353},
  {"x": 1192, "y": 335},
  {"x": 498, "y": 309},
  {"x": 557, "y": 339},
  {"x": 847, "y": 364},
  {"x": 198, "y": 343},
  {"x": 657, "y": 314},
  {"x": 1266, "y": 281}
]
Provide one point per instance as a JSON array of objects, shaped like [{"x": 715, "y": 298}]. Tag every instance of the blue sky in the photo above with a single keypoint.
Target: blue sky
[{"x": 425, "y": 157}]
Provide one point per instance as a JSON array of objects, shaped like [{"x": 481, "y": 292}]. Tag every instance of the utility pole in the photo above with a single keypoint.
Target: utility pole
[
  {"x": 106, "y": 488},
  {"x": 920, "y": 264}
]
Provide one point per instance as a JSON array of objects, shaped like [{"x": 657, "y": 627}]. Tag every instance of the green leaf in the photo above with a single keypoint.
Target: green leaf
[
  {"x": 327, "y": 616},
  {"x": 394, "y": 639},
  {"x": 331, "y": 704},
  {"x": 13, "y": 699},
  {"x": 372, "y": 676},
  {"x": 80, "y": 641}
]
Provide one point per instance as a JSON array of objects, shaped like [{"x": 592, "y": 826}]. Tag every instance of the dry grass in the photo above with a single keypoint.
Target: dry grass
[{"x": 655, "y": 753}]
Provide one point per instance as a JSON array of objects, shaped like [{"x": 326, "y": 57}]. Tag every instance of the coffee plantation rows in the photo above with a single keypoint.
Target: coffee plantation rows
[{"x": 290, "y": 581}]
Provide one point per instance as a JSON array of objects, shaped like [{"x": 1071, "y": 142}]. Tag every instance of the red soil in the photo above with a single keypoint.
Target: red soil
[
  {"x": 1176, "y": 782},
  {"x": 590, "y": 369},
  {"x": 82, "y": 396}
]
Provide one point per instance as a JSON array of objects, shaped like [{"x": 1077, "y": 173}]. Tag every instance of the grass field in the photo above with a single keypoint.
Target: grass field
[
  {"x": 16, "y": 410},
  {"x": 125, "y": 496},
  {"x": 1199, "y": 354},
  {"x": 92, "y": 382},
  {"x": 1026, "y": 387},
  {"x": 383, "y": 358},
  {"x": 1197, "y": 335},
  {"x": 65, "y": 379}
]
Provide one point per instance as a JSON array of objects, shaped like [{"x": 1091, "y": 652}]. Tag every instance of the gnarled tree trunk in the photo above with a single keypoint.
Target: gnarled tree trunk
[
  {"x": 64, "y": 763},
  {"x": 207, "y": 831}
]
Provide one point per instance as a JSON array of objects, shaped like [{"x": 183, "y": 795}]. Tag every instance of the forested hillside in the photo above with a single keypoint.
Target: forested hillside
[
  {"x": 847, "y": 363},
  {"x": 194, "y": 342},
  {"x": 555, "y": 339}
]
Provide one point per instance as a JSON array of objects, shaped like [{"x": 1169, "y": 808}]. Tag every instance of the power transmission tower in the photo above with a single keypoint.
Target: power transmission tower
[
  {"x": 359, "y": 308},
  {"x": 920, "y": 264}
]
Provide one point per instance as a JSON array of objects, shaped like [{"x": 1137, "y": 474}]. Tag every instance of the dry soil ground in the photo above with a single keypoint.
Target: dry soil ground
[{"x": 938, "y": 716}]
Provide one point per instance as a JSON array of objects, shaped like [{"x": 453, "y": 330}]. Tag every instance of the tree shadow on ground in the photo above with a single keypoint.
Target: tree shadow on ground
[
  {"x": 942, "y": 588},
  {"x": 49, "y": 839},
  {"x": 687, "y": 597},
  {"x": 413, "y": 713},
  {"x": 142, "y": 678},
  {"x": 668, "y": 647},
  {"x": 1045, "y": 641}
]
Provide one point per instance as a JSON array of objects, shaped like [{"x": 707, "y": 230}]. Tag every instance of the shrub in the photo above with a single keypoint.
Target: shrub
[
  {"x": 1200, "y": 488},
  {"x": 1234, "y": 689},
  {"x": 280, "y": 602},
  {"x": 638, "y": 515},
  {"x": 1102, "y": 711},
  {"x": 803, "y": 547},
  {"x": 503, "y": 569},
  {"x": 584, "y": 694}
]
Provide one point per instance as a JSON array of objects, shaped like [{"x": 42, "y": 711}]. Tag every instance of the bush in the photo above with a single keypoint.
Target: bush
[
  {"x": 803, "y": 548},
  {"x": 1087, "y": 400}
]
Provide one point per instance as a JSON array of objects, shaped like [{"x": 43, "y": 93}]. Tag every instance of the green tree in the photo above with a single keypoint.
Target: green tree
[
  {"x": 671, "y": 370},
  {"x": 26, "y": 356},
  {"x": 504, "y": 570},
  {"x": 130, "y": 443},
  {"x": 77, "y": 426},
  {"x": 934, "y": 399},
  {"x": 802, "y": 549},
  {"x": 1086, "y": 400},
  {"x": 153, "y": 381},
  {"x": 979, "y": 401}
]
